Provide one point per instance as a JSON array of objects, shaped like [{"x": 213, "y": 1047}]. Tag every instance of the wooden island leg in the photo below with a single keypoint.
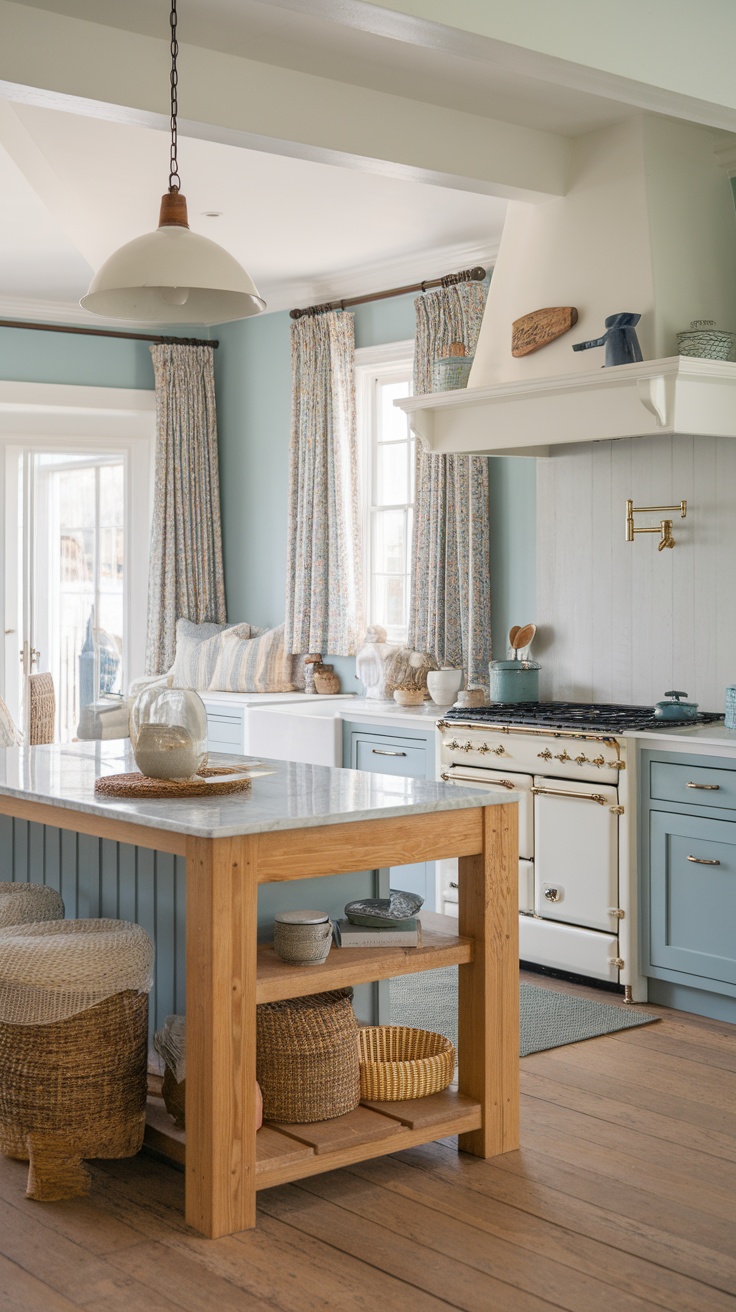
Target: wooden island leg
[
  {"x": 222, "y": 903},
  {"x": 488, "y": 999}
]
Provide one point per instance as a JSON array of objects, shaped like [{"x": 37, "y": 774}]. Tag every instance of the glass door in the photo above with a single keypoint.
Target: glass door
[{"x": 67, "y": 575}]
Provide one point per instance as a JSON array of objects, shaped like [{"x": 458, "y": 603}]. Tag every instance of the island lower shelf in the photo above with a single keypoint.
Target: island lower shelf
[
  {"x": 290, "y": 1152},
  {"x": 441, "y": 946}
]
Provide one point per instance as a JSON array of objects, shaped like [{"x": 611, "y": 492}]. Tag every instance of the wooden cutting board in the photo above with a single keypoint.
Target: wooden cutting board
[{"x": 538, "y": 329}]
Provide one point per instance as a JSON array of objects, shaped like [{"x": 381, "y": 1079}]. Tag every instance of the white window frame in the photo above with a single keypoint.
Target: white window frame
[
  {"x": 76, "y": 418},
  {"x": 374, "y": 364}
]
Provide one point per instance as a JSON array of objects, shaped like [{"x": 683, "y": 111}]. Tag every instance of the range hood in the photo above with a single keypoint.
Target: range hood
[{"x": 647, "y": 225}]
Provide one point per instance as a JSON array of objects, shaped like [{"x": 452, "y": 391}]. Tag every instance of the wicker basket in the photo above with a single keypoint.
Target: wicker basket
[
  {"x": 72, "y": 1089},
  {"x": 307, "y": 1058},
  {"x": 397, "y": 1062}
]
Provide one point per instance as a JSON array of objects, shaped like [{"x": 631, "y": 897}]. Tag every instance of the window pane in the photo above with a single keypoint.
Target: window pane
[
  {"x": 392, "y": 475},
  {"x": 389, "y": 601},
  {"x": 392, "y": 423},
  {"x": 389, "y": 542}
]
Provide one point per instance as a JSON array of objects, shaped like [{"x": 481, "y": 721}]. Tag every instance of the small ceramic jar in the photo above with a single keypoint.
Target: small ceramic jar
[{"x": 302, "y": 938}]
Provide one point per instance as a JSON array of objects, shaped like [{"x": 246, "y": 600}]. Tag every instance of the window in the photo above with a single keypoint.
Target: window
[{"x": 383, "y": 375}]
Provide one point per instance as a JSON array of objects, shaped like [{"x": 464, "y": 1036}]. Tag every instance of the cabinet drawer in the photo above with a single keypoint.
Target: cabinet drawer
[
  {"x": 693, "y": 895},
  {"x": 696, "y": 785},
  {"x": 391, "y": 756}
]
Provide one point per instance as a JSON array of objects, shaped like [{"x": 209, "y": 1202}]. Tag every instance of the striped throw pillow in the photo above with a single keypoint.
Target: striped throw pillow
[
  {"x": 252, "y": 664},
  {"x": 197, "y": 649},
  {"x": 10, "y": 735}
]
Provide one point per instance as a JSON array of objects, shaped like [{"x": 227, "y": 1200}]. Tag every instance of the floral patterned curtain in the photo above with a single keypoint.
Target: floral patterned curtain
[
  {"x": 450, "y": 614},
  {"x": 186, "y": 579},
  {"x": 324, "y": 585}
]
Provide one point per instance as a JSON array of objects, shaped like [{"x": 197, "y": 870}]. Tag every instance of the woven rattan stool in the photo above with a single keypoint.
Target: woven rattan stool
[
  {"x": 22, "y": 904},
  {"x": 73, "y": 1047}
]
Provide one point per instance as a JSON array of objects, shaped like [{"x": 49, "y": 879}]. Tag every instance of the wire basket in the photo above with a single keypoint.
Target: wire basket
[
  {"x": 397, "y": 1062},
  {"x": 307, "y": 1058}
]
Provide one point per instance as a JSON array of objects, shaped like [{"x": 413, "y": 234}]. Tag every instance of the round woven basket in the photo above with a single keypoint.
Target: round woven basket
[
  {"x": 397, "y": 1062},
  {"x": 72, "y": 1089},
  {"x": 307, "y": 1058}
]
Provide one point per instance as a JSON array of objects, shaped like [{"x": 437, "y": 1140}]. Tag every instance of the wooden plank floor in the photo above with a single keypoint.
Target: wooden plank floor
[{"x": 622, "y": 1196}]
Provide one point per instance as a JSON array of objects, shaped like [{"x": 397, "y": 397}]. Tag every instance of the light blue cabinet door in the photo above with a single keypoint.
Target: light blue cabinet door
[
  {"x": 693, "y": 895},
  {"x": 411, "y": 758}
]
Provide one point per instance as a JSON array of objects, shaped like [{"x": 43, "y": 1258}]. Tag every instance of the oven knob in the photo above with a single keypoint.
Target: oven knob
[
  {"x": 546, "y": 755},
  {"x": 563, "y": 756},
  {"x": 466, "y": 747},
  {"x": 553, "y": 894},
  {"x": 582, "y": 759},
  {"x": 483, "y": 749},
  {"x": 498, "y": 751},
  {"x": 453, "y": 746},
  {"x": 598, "y": 760}
]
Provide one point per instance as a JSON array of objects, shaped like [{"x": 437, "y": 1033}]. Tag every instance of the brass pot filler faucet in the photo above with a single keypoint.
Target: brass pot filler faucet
[{"x": 664, "y": 528}]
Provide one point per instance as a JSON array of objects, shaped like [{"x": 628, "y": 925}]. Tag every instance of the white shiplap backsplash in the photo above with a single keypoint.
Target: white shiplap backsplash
[{"x": 622, "y": 621}]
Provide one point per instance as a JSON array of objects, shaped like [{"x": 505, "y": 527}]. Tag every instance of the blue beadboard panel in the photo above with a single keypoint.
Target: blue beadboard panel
[{"x": 99, "y": 878}]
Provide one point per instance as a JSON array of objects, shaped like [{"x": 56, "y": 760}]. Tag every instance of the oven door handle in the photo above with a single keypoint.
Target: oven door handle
[
  {"x": 471, "y": 779},
  {"x": 560, "y": 792}
]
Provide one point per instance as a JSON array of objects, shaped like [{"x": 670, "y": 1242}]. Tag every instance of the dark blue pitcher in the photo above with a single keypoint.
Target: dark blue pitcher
[{"x": 621, "y": 342}]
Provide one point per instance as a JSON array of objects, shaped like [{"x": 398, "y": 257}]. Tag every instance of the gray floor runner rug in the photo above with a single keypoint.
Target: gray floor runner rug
[{"x": 548, "y": 1019}]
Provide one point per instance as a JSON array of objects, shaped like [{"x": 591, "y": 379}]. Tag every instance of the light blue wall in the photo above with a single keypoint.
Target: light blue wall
[
  {"x": 27, "y": 356},
  {"x": 253, "y": 374}
]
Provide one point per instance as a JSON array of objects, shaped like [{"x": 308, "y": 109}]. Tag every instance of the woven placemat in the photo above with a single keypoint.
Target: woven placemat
[{"x": 138, "y": 785}]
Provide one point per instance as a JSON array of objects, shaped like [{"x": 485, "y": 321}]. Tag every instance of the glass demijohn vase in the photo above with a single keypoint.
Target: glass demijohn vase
[{"x": 168, "y": 731}]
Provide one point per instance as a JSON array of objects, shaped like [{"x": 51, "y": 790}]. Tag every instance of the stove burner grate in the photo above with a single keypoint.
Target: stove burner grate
[{"x": 602, "y": 717}]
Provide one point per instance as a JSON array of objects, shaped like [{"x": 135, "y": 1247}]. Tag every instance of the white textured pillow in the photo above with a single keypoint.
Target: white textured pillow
[
  {"x": 252, "y": 664},
  {"x": 10, "y": 735}
]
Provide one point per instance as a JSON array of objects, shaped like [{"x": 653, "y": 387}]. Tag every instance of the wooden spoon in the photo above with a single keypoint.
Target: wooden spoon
[
  {"x": 523, "y": 637},
  {"x": 512, "y": 634}
]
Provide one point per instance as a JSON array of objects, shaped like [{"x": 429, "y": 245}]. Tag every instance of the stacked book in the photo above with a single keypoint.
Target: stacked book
[{"x": 397, "y": 934}]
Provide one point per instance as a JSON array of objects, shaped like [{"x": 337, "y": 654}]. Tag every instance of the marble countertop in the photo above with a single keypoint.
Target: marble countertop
[
  {"x": 703, "y": 739},
  {"x": 292, "y": 796}
]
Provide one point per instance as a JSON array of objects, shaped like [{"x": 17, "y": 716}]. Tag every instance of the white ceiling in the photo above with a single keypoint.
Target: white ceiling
[
  {"x": 288, "y": 34},
  {"x": 305, "y": 231},
  {"x": 75, "y": 188}
]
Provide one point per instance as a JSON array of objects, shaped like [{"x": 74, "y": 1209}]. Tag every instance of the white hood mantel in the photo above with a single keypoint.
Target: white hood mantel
[
  {"x": 647, "y": 226},
  {"x": 676, "y": 395}
]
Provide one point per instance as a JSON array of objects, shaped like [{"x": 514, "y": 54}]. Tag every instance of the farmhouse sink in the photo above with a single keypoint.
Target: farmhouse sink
[{"x": 309, "y": 731}]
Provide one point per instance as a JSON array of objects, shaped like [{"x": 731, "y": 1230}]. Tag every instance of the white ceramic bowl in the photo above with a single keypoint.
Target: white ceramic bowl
[{"x": 444, "y": 685}]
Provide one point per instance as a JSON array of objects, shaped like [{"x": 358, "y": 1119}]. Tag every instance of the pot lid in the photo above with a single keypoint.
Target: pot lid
[
  {"x": 675, "y": 699},
  {"x": 301, "y": 917}
]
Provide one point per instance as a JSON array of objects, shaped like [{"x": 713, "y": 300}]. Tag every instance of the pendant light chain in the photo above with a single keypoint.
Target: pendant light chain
[{"x": 174, "y": 179}]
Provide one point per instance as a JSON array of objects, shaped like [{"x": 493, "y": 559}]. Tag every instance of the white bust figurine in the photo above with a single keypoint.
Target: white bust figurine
[{"x": 370, "y": 662}]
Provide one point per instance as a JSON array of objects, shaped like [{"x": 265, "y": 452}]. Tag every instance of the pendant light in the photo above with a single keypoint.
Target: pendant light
[{"x": 173, "y": 275}]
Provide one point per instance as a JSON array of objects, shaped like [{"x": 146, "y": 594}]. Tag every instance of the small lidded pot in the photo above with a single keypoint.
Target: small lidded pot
[
  {"x": 302, "y": 938},
  {"x": 514, "y": 681},
  {"x": 168, "y": 731}
]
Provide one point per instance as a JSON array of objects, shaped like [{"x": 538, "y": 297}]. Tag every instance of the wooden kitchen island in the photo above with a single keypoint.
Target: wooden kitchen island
[{"x": 303, "y": 822}]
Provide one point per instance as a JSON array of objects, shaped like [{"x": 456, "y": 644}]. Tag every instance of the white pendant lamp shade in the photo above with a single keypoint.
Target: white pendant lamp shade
[{"x": 170, "y": 276}]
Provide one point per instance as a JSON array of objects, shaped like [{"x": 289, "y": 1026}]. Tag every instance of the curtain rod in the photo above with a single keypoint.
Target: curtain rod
[
  {"x": 106, "y": 332},
  {"x": 449, "y": 280}
]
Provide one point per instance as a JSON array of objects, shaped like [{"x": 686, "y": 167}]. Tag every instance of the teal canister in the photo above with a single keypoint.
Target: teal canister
[{"x": 514, "y": 681}]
